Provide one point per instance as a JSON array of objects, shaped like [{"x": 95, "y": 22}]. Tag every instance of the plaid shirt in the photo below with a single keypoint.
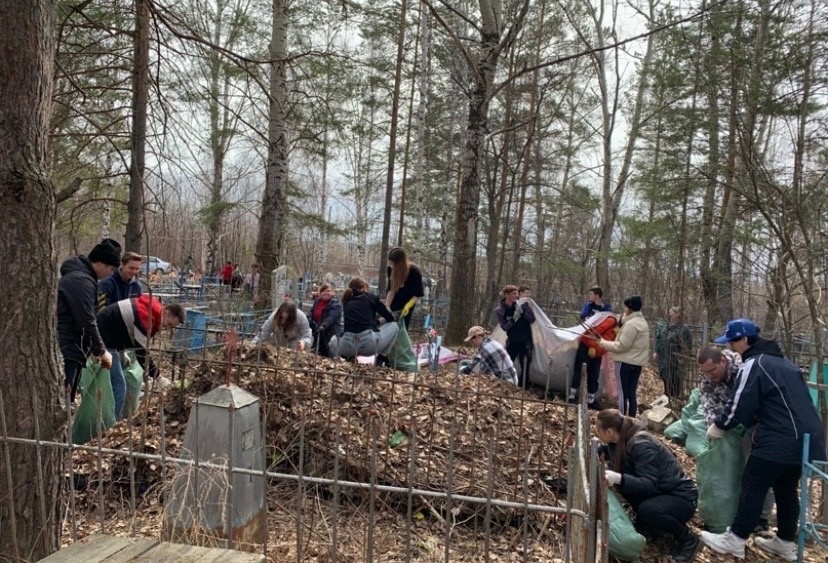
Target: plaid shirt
[
  {"x": 714, "y": 396},
  {"x": 492, "y": 358}
]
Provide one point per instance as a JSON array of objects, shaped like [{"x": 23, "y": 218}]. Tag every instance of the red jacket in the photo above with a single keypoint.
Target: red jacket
[{"x": 226, "y": 273}]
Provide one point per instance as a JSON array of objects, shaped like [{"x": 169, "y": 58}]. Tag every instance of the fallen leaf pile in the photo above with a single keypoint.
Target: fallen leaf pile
[{"x": 474, "y": 436}]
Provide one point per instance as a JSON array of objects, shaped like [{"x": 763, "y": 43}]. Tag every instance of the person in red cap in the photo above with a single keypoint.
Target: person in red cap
[{"x": 771, "y": 393}]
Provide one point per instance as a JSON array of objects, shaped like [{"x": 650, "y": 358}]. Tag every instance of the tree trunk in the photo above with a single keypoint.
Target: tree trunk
[
  {"x": 392, "y": 151},
  {"x": 464, "y": 264},
  {"x": 32, "y": 389},
  {"x": 140, "y": 94},
  {"x": 274, "y": 198}
]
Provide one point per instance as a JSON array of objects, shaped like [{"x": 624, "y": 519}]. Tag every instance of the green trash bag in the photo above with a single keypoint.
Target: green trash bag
[
  {"x": 134, "y": 375},
  {"x": 97, "y": 401},
  {"x": 402, "y": 356},
  {"x": 625, "y": 543},
  {"x": 676, "y": 432},
  {"x": 694, "y": 424},
  {"x": 719, "y": 478}
]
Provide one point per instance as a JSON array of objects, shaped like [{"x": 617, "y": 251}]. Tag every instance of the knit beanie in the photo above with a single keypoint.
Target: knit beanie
[
  {"x": 634, "y": 302},
  {"x": 107, "y": 251}
]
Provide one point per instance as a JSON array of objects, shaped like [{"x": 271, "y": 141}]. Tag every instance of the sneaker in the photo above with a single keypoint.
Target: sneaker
[
  {"x": 784, "y": 549},
  {"x": 727, "y": 543},
  {"x": 686, "y": 549},
  {"x": 573, "y": 393}
]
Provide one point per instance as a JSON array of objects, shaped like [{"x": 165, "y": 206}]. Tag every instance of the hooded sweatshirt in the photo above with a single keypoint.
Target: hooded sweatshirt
[
  {"x": 77, "y": 326},
  {"x": 771, "y": 393}
]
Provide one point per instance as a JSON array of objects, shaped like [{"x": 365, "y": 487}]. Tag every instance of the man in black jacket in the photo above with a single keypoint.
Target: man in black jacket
[
  {"x": 78, "y": 336},
  {"x": 771, "y": 393},
  {"x": 516, "y": 319}
]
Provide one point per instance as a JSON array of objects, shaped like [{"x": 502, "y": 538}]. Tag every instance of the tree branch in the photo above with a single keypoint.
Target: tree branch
[{"x": 68, "y": 191}]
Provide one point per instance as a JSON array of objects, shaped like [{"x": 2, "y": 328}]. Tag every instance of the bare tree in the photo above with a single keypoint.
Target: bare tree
[
  {"x": 140, "y": 95},
  {"x": 30, "y": 399},
  {"x": 274, "y": 199},
  {"x": 493, "y": 41}
]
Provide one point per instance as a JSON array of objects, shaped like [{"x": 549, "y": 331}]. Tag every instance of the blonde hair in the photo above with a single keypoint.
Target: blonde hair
[{"x": 400, "y": 268}]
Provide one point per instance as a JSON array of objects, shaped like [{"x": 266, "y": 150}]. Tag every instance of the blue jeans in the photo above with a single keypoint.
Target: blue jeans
[
  {"x": 119, "y": 390},
  {"x": 367, "y": 342}
]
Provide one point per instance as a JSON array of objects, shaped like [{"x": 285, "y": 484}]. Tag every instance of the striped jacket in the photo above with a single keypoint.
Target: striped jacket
[{"x": 131, "y": 323}]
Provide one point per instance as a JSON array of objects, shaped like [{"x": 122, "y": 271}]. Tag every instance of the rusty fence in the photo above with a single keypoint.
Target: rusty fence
[{"x": 358, "y": 465}]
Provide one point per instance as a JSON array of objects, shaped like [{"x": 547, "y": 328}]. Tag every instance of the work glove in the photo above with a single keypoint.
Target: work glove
[
  {"x": 125, "y": 359},
  {"x": 408, "y": 306},
  {"x": 613, "y": 478},
  {"x": 714, "y": 432},
  {"x": 518, "y": 312}
]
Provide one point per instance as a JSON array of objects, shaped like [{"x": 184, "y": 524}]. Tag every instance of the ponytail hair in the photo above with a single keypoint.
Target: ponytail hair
[
  {"x": 626, "y": 426},
  {"x": 355, "y": 287}
]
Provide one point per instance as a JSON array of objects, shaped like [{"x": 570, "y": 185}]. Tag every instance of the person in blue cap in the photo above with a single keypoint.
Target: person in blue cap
[{"x": 770, "y": 393}]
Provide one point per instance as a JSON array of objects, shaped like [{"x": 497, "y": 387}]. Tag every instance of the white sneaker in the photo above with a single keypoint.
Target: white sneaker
[
  {"x": 784, "y": 549},
  {"x": 727, "y": 543}
]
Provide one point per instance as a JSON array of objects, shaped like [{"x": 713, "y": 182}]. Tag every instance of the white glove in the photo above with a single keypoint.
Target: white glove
[
  {"x": 518, "y": 313},
  {"x": 714, "y": 432},
  {"x": 613, "y": 478},
  {"x": 162, "y": 382}
]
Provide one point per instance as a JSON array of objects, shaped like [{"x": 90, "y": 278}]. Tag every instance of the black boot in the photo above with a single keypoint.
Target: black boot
[{"x": 686, "y": 548}]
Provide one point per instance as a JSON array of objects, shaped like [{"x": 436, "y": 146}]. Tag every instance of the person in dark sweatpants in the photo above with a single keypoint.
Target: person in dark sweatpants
[
  {"x": 595, "y": 304},
  {"x": 650, "y": 478},
  {"x": 771, "y": 393},
  {"x": 516, "y": 320}
]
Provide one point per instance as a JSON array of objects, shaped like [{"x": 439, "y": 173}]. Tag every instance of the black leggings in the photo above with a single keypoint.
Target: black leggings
[
  {"x": 665, "y": 513},
  {"x": 629, "y": 385}
]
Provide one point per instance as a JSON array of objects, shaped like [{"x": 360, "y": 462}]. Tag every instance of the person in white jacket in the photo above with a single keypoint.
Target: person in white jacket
[
  {"x": 287, "y": 327},
  {"x": 631, "y": 349}
]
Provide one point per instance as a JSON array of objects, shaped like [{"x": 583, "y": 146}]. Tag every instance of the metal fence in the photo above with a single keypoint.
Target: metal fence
[{"x": 361, "y": 465}]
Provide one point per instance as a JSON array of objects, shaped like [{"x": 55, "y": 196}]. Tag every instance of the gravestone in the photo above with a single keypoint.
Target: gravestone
[{"x": 212, "y": 505}]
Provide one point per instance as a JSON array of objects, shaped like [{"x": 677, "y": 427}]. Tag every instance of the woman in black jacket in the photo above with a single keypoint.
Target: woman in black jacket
[
  {"x": 362, "y": 337},
  {"x": 650, "y": 479}
]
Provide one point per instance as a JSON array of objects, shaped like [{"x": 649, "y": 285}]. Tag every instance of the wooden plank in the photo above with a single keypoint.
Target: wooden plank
[
  {"x": 134, "y": 551},
  {"x": 176, "y": 552},
  {"x": 94, "y": 549},
  {"x": 113, "y": 549}
]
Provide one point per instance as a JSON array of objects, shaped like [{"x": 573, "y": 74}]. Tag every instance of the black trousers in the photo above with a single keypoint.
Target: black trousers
[
  {"x": 593, "y": 369},
  {"x": 321, "y": 342},
  {"x": 666, "y": 513},
  {"x": 71, "y": 376},
  {"x": 521, "y": 354},
  {"x": 630, "y": 375},
  {"x": 759, "y": 476}
]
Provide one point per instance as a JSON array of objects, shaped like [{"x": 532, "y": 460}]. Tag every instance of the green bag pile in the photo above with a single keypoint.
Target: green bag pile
[
  {"x": 134, "y": 375},
  {"x": 691, "y": 429},
  {"x": 97, "y": 401},
  {"x": 402, "y": 356},
  {"x": 625, "y": 543},
  {"x": 719, "y": 478}
]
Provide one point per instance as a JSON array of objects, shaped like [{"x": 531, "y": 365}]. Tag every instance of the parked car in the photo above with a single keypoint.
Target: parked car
[{"x": 154, "y": 265}]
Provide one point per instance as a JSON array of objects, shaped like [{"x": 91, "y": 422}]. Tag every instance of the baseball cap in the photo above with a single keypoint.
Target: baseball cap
[
  {"x": 736, "y": 330},
  {"x": 476, "y": 331}
]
